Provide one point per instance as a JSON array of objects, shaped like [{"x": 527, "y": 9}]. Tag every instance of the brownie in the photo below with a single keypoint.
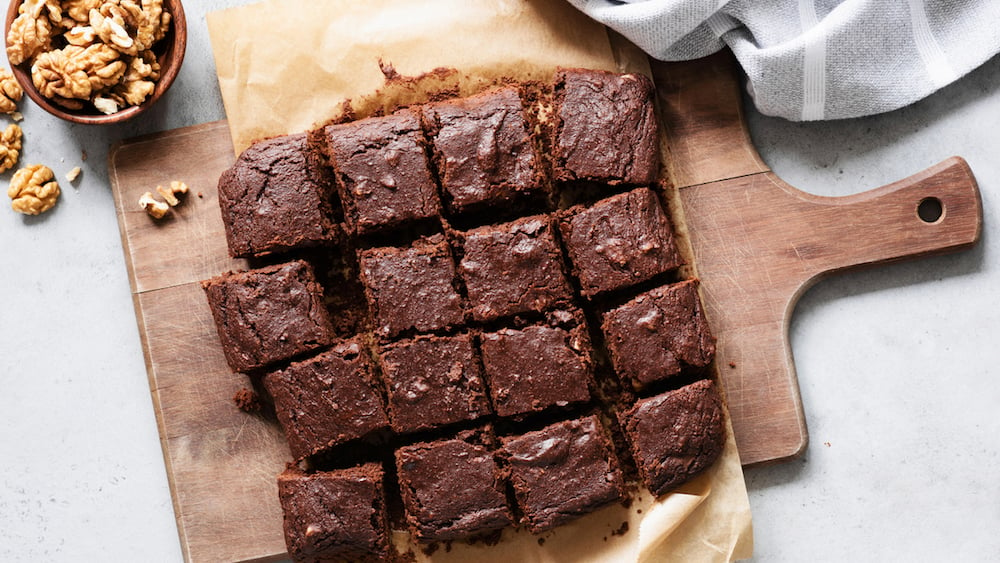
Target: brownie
[
  {"x": 605, "y": 128},
  {"x": 619, "y": 241},
  {"x": 269, "y": 314},
  {"x": 452, "y": 489},
  {"x": 276, "y": 197},
  {"x": 327, "y": 400},
  {"x": 659, "y": 334},
  {"x": 383, "y": 174},
  {"x": 411, "y": 288},
  {"x": 335, "y": 515},
  {"x": 538, "y": 367},
  {"x": 675, "y": 435},
  {"x": 513, "y": 268},
  {"x": 483, "y": 151},
  {"x": 562, "y": 472},
  {"x": 432, "y": 381}
]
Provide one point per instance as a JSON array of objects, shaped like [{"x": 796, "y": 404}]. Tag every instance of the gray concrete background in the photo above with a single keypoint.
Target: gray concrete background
[{"x": 897, "y": 365}]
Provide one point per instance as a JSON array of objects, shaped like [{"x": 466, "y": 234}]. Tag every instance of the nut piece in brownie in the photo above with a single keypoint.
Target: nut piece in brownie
[
  {"x": 276, "y": 197},
  {"x": 452, "y": 489},
  {"x": 335, "y": 515},
  {"x": 383, "y": 175},
  {"x": 659, "y": 334},
  {"x": 619, "y": 241},
  {"x": 513, "y": 268},
  {"x": 562, "y": 472},
  {"x": 675, "y": 435},
  {"x": 327, "y": 400},
  {"x": 269, "y": 314},
  {"x": 605, "y": 128},
  {"x": 432, "y": 381},
  {"x": 483, "y": 151},
  {"x": 539, "y": 367},
  {"x": 411, "y": 288}
]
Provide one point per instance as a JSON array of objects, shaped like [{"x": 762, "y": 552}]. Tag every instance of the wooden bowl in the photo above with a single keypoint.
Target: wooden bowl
[{"x": 169, "y": 52}]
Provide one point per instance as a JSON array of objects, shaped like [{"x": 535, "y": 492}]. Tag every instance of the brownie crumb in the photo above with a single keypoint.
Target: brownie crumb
[
  {"x": 541, "y": 541},
  {"x": 621, "y": 529},
  {"x": 430, "y": 549},
  {"x": 247, "y": 400},
  {"x": 732, "y": 365}
]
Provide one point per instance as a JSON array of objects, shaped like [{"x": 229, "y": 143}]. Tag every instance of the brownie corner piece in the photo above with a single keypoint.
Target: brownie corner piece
[
  {"x": 335, "y": 515},
  {"x": 277, "y": 197},
  {"x": 562, "y": 472},
  {"x": 382, "y": 170},
  {"x": 483, "y": 150},
  {"x": 619, "y": 241},
  {"x": 432, "y": 381},
  {"x": 538, "y": 367},
  {"x": 327, "y": 400},
  {"x": 411, "y": 288},
  {"x": 659, "y": 334},
  {"x": 513, "y": 268},
  {"x": 676, "y": 435},
  {"x": 269, "y": 314},
  {"x": 464, "y": 467},
  {"x": 606, "y": 129}
]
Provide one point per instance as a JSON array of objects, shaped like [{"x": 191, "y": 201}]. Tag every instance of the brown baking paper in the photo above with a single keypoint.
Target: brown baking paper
[{"x": 286, "y": 66}]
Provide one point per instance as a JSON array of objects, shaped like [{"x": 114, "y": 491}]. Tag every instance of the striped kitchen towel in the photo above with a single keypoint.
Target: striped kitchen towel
[{"x": 818, "y": 59}]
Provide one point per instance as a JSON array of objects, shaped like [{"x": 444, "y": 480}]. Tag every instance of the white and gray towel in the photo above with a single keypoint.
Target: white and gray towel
[{"x": 819, "y": 59}]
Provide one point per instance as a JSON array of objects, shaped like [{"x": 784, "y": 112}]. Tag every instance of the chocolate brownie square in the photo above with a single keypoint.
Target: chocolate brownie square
[
  {"x": 383, "y": 174},
  {"x": 411, "y": 288},
  {"x": 452, "y": 489},
  {"x": 483, "y": 151},
  {"x": 335, "y": 515},
  {"x": 276, "y": 197},
  {"x": 675, "y": 435},
  {"x": 539, "y": 367},
  {"x": 432, "y": 381},
  {"x": 619, "y": 241},
  {"x": 269, "y": 314},
  {"x": 605, "y": 128},
  {"x": 327, "y": 400},
  {"x": 513, "y": 268},
  {"x": 659, "y": 334},
  {"x": 562, "y": 472}
]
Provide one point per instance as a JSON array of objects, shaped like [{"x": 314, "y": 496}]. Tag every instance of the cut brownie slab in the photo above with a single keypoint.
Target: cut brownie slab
[
  {"x": 327, "y": 400},
  {"x": 432, "y": 381},
  {"x": 335, "y": 515},
  {"x": 452, "y": 489},
  {"x": 513, "y": 268},
  {"x": 483, "y": 151},
  {"x": 659, "y": 334},
  {"x": 619, "y": 241},
  {"x": 276, "y": 197},
  {"x": 269, "y": 314},
  {"x": 383, "y": 175},
  {"x": 675, "y": 435},
  {"x": 411, "y": 288},
  {"x": 538, "y": 367},
  {"x": 605, "y": 129},
  {"x": 562, "y": 472}
]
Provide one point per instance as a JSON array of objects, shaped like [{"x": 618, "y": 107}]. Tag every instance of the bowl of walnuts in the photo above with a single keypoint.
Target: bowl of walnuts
[{"x": 95, "y": 61}]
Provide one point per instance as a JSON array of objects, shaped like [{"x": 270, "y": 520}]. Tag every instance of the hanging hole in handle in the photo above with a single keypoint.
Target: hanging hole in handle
[{"x": 930, "y": 210}]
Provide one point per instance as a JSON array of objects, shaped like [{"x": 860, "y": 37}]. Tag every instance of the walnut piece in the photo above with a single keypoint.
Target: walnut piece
[
  {"x": 10, "y": 147},
  {"x": 28, "y": 36},
  {"x": 33, "y": 190},
  {"x": 10, "y": 92},
  {"x": 79, "y": 10},
  {"x": 81, "y": 36},
  {"x": 73, "y": 174},
  {"x": 169, "y": 194},
  {"x": 156, "y": 208}
]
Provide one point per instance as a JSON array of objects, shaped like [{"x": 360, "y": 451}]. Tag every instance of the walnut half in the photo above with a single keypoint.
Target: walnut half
[
  {"x": 33, "y": 190},
  {"x": 10, "y": 92},
  {"x": 10, "y": 147}
]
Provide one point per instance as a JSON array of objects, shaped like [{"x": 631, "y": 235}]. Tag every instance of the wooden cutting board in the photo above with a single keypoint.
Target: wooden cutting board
[{"x": 758, "y": 244}]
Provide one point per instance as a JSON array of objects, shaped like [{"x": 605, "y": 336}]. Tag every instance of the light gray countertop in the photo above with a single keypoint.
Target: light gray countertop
[{"x": 897, "y": 365}]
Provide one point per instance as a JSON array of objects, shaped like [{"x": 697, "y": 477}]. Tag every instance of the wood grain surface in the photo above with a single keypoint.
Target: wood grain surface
[{"x": 758, "y": 244}]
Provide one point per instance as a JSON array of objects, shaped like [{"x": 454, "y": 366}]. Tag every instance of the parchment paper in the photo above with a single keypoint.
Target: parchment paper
[{"x": 286, "y": 66}]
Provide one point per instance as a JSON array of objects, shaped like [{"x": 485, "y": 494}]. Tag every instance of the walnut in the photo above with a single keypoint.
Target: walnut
[
  {"x": 10, "y": 147},
  {"x": 156, "y": 18},
  {"x": 79, "y": 10},
  {"x": 49, "y": 9},
  {"x": 156, "y": 209},
  {"x": 75, "y": 72},
  {"x": 123, "y": 25},
  {"x": 81, "y": 36},
  {"x": 170, "y": 194},
  {"x": 106, "y": 105},
  {"x": 33, "y": 190},
  {"x": 10, "y": 92},
  {"x": 28, "y": 36},
  {"x": 139, "y": 80}
]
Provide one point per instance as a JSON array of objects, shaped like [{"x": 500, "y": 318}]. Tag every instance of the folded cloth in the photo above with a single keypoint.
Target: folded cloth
[{"x": 818, "y": 59}]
